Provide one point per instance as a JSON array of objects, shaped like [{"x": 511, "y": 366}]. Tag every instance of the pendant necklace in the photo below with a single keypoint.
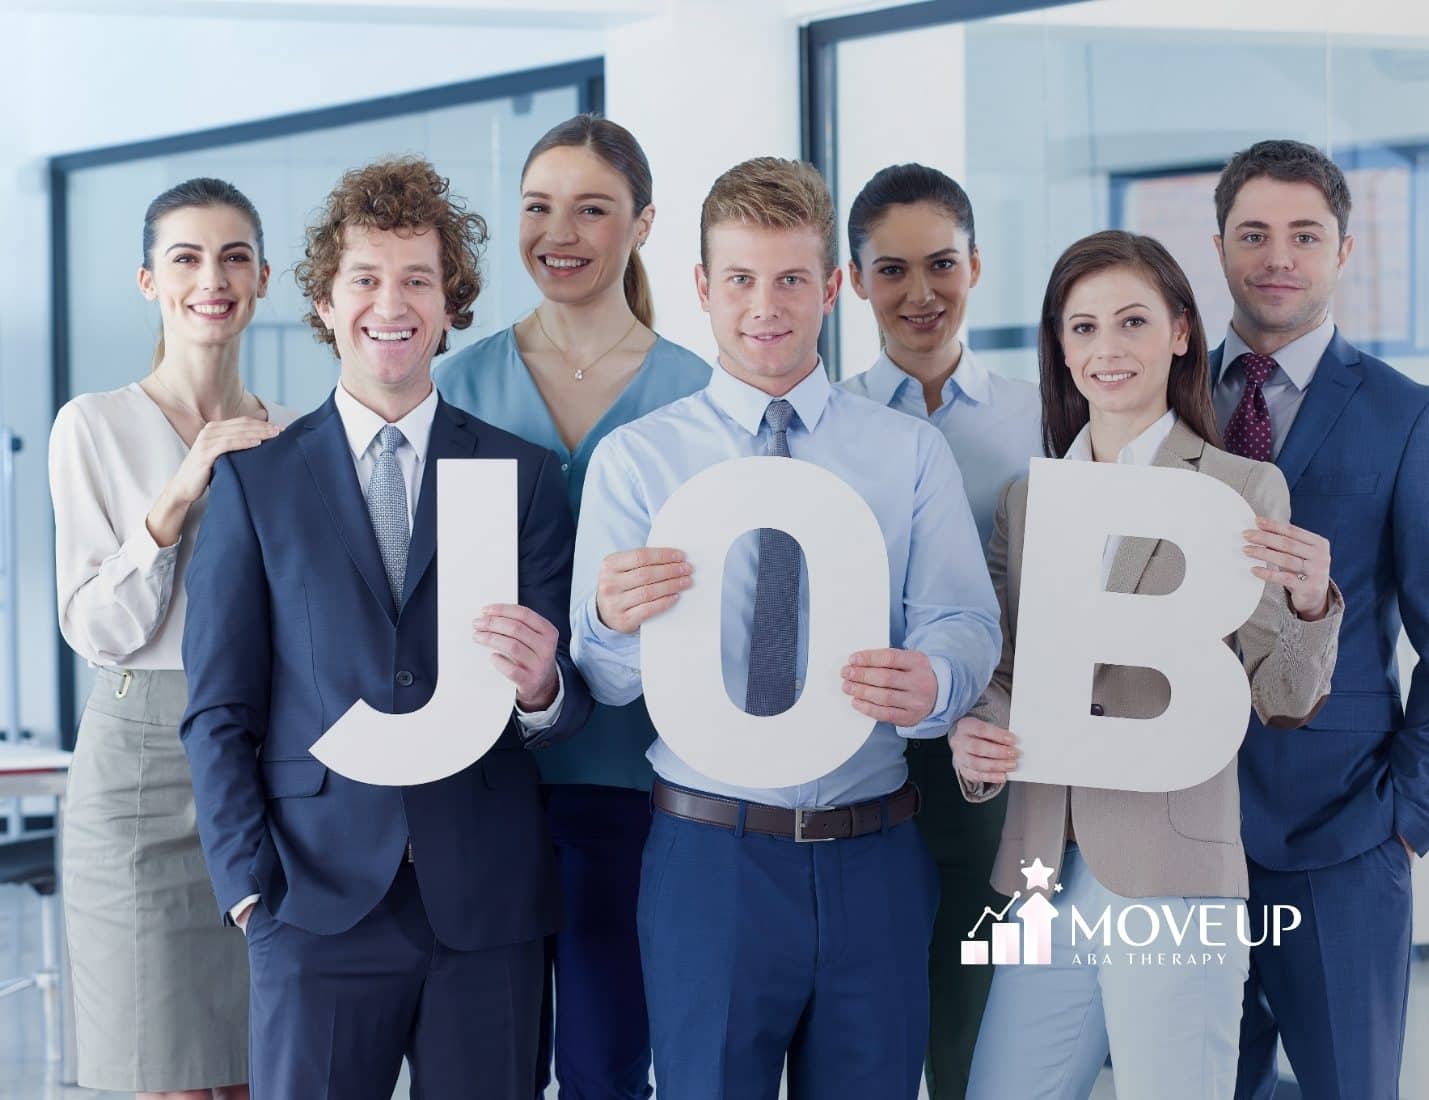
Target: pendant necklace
[{"x": 579, "y": 372}]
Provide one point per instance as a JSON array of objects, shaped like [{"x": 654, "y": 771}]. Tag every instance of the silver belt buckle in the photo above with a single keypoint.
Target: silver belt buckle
[{"x": 799, "y": 837}]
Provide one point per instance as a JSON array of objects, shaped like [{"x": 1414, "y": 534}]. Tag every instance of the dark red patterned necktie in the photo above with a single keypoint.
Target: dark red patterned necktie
[{"x": 1248, "y": 432}]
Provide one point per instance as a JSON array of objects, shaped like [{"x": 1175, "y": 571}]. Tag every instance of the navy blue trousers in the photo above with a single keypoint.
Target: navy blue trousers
[
  {"x": 1335, "y": 990},
  {"x": 601, "y": 1033},
  {"x": 332, "y": 1017},
  {"x": 757, "y": 948}
]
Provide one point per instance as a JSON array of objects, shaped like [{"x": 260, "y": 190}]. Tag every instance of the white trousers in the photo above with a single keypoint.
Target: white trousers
[{"x": 1169, "y": 1015}]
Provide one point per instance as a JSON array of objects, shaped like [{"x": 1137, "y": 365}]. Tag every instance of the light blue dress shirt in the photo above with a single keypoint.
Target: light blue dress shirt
[
  {"x": 941, "y": 601},
  {"x": 492, "y": 382},
  {"x": 992, "y": 423}
]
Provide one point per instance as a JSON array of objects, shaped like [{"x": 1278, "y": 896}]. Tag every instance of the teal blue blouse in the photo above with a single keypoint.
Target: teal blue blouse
[{"x": 491, "y": 381}]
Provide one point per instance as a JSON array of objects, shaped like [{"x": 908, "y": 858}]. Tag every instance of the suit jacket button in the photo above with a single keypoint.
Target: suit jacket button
[
  {"x": 1098, "y": 710},
  {"x": 404, "y": 679}
]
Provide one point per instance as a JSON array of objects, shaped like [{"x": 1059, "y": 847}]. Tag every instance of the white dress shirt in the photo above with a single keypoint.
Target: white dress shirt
[{"x": 1139, "y": 452}]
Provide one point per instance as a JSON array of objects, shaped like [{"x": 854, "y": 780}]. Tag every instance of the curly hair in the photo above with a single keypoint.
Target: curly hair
[{"x": 402, "y": 194}]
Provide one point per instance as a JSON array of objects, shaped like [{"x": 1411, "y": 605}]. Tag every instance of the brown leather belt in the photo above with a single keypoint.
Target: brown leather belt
[{"x": 802, "y": 825}]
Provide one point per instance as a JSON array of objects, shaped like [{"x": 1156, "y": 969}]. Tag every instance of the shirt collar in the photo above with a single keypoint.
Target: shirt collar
[
  {"x": 1297, "y": 360},
  {"x": 745, "y": 404},
  {"x": 1139, "y": 452},
  {"x": 886, "y": 378},
  {"x": 362, "y": 424}
]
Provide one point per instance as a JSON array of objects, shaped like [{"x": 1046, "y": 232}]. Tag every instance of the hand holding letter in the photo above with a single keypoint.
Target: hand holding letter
[
  {"x": 636, "y": 584},
  {"x": 891, "y": 685},
  {"x": 523, "y": 648},
  {"x": 982, "y": 752},
  {"x": 1295, "y": 558}
]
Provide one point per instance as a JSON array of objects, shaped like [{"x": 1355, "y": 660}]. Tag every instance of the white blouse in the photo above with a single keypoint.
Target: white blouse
[{"x": 121, "y": 595}]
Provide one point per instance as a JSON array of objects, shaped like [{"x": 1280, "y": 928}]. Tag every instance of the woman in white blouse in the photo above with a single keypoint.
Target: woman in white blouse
[{"x": 161, "y": 987}]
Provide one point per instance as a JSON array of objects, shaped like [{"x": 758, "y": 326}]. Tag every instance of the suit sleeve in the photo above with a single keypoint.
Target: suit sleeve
[
  {"x": 1289, "y": 661},
  {"x": 995, "y": 706},
  {"x": 227, "y": 651},
  {"x": 547, "y": 543},
  {"x": 1409, "y": 748}
]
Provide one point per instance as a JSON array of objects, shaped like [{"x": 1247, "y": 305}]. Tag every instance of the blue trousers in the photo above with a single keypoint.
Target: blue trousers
[
  {"x": 1335, "y": 990},
  {"x": 601, "y": 1034},
  {"x": 756, "y": 949},
  {"x": 332, "y": 1017}
]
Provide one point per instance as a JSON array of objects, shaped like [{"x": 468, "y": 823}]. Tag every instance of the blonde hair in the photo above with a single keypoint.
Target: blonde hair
[{"x": 776, "y": 194}]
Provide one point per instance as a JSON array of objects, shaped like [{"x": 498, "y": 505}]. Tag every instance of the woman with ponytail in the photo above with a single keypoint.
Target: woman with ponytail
[
  {"x": 585, "y": 361},
  {"x": 160, "y": 985}
]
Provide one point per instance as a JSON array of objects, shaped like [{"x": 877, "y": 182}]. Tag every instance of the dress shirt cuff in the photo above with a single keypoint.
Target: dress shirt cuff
[
  {"x": 237, "y": 910},
  {"x": 146, "y": 555},
  {"x": 937, "y": 723},
  {"x": 608, "y": 637},
  {"x": 534, "y": 721}
]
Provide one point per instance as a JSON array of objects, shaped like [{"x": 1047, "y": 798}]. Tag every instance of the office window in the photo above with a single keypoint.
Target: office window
[{"x": 477, "y": 134}]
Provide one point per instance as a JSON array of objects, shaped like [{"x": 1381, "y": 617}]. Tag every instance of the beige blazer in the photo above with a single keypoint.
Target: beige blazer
[{"x": 1187, "y": 842}]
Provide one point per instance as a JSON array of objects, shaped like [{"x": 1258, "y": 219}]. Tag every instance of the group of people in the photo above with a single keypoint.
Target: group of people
[{"x": 239, "y": 576}]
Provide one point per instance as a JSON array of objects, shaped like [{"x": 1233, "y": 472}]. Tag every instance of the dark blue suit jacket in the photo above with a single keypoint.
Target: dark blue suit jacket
[
  {"x": 290, "y": 621},
  {"x": 1357, "y": 462}
]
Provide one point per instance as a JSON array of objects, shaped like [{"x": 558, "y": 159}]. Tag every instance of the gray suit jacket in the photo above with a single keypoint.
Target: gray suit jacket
[{"x": 1185, "y": 842}]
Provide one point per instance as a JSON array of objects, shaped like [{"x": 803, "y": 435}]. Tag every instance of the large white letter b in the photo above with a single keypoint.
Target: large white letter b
[{"x": 1067, "y": 625}]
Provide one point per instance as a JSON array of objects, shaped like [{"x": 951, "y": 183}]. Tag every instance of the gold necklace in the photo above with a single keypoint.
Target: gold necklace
[{"x": 580, "y": 371}]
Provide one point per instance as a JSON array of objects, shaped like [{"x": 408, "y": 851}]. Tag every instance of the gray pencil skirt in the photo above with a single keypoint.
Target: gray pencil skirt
[{"x": 160, "y": 984}]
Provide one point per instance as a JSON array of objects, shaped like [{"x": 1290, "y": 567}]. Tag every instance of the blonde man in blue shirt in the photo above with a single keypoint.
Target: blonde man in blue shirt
[{"x": 757, "y": 949}]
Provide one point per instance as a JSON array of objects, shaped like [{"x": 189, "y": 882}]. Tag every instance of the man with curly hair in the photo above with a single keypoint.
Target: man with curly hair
[{"x": 382, "y": 922}]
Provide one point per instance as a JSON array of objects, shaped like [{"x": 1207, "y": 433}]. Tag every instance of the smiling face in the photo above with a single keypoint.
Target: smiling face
[
  {"x": 387, "y": 314},
  {"x": 1282, "y": 256},
  {"x": 1118, "y": 337},
  {"x": 767, "y": 296},
  {"x": 577, "y": 224},
  {"x": 916, "y": 268},
  {"x": 205, "y": 274}
]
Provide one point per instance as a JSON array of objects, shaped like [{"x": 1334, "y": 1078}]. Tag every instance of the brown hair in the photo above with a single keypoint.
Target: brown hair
[
  {"x": 201, "y": 191},
  {"x": 1289, "y": 162},
  {"x": 1188, "y": 389},
  {"x": 776, "y": 194},
  {"x": 617, "y": 147},
  {"x": 404, "y": 195}
]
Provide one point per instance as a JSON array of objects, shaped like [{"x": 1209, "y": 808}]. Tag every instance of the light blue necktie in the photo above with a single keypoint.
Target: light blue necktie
[
  {"x": 774, "y": 640},
  {"x": 387, "y": 505}
]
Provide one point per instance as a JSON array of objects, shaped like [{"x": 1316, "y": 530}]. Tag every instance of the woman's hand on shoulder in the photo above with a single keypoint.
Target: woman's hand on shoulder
[
  {"x": 217, "y": 438},
  {"x": 982, "y": 752}
]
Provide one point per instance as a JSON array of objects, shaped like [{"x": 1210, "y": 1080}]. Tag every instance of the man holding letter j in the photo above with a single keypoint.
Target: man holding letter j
[{"x": 756, "y": 946}]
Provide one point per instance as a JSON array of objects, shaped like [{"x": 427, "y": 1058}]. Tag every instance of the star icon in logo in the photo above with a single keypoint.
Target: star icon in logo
[{"x": 1038, "y": 875}]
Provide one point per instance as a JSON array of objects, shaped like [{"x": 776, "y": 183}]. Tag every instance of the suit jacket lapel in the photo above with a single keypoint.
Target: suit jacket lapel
[
  {"x": 1331, "y": 388},
  {"x": 1181, "y": 451},
  {"x": 329, "y": 459},
  {"x": 453, "y": 436}
]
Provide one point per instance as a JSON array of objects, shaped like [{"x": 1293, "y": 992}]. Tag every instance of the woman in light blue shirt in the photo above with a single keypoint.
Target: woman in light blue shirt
[
  {"x": 585, "y": 361},
  {"x": 913, "y": 257}
]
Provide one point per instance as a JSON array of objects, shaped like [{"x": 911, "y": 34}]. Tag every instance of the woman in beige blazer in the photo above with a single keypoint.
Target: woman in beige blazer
[{"x": 1124, "y": 379}]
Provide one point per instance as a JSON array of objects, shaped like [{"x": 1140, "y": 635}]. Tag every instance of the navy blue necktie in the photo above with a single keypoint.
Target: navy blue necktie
[{"x": 774, "y": 640}]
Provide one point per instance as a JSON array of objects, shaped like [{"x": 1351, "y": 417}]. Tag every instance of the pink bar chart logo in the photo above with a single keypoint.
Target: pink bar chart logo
[{"x": 1026, "y": 941}]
